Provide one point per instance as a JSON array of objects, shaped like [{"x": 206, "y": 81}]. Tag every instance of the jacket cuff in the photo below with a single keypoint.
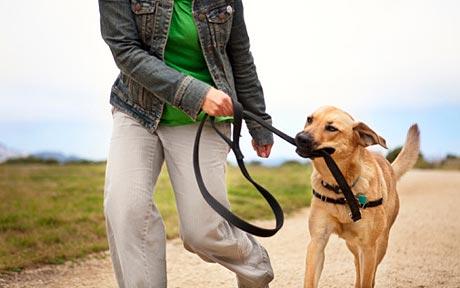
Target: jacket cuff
[
  {"x": 190, "y": 96},
  {"x": 261, "y": 135}
]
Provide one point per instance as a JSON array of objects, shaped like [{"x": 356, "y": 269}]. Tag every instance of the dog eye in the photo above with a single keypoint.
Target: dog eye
[
  {"x": 309, "y": 119},
  {"x": 331, "y": 128}
]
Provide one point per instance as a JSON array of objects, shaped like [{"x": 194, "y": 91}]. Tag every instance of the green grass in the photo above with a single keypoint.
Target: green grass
[{"x": 52, "y": 213}]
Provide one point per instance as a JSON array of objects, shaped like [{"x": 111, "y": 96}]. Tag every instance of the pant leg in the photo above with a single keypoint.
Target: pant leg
[
  {"x": 135, "y": 230},
  {"x": 203, "y": 231}
]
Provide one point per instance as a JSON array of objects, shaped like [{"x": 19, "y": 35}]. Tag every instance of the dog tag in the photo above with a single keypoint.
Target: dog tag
[{"x": 362, "y": 199}]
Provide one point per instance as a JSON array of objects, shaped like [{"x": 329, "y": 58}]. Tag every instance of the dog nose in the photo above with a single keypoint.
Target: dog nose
[{"x": 304, "y": 140}]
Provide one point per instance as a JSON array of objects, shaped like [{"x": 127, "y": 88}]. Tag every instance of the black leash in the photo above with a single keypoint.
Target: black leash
[{"x": 238, "y": 115}]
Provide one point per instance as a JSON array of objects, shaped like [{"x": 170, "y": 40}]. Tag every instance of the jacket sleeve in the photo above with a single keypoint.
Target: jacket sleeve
[
  {"x": 119, "y": 31},
  {"x": 248, "y": 88}
]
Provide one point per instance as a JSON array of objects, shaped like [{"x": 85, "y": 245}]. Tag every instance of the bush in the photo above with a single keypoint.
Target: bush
[
  {"x": 294, "y": 163},
  {"x": 30, "y": 160},
  {"x": 451, "y": 162},
  {"x": 392, "y": 154},
  {"x": 421, "y": 163}
]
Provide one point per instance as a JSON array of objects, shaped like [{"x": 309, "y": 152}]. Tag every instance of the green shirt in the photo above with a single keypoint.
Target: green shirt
[{"x": 183, "y": 53}]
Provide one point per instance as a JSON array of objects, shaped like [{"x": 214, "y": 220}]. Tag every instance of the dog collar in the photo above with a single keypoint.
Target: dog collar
[
  {"x": 336, "y": 188},
  {"x": 363, "y": 202}
]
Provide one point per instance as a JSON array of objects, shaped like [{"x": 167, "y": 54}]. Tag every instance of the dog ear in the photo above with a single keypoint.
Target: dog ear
[{"x": 366, "y": 136}]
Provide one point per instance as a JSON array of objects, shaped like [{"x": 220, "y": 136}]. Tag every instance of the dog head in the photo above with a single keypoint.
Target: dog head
[{"x": 333, "y": 129}]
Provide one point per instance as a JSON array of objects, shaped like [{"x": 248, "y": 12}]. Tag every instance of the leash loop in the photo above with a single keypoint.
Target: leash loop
[{"x": 216, "y": 205}]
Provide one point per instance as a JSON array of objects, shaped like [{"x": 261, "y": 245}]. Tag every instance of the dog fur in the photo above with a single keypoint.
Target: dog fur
[{"x": 367, "y": 239}]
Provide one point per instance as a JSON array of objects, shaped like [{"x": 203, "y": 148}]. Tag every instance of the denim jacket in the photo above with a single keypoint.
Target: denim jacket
[{"x": 136, "y": 32}]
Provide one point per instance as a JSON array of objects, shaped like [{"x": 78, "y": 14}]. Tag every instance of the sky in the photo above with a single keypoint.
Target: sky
[{"x": 389, "y": 63}]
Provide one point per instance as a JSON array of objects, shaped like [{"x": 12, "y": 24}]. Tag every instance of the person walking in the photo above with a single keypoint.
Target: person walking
[{"x": 178, "y": 60}]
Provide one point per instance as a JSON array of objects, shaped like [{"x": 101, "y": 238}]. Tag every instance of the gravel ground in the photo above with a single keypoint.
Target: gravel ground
[{"x": 424, "y": 249}]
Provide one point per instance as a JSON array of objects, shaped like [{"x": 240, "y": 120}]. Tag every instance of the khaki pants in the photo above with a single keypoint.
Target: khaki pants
[{"x": 135, "y": 229}]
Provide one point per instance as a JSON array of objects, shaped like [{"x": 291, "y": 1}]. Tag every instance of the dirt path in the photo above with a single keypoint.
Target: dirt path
[{"x": 424, "y": 249}]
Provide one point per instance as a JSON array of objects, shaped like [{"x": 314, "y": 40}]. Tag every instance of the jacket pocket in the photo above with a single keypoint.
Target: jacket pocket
[
  {"x": 144, "y": 13},
  {"x": 135, "y": 92},
  {"x": 220, "y": 24}
]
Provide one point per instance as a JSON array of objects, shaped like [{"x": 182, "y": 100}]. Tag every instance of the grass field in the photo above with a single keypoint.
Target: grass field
[{"x": 53, "y": 213}]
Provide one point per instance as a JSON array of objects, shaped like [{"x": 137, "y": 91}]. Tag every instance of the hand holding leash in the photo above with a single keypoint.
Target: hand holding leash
[{"x": 217, "y": 103}]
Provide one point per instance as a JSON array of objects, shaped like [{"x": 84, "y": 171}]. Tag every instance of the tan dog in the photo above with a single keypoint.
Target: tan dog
[{"x": 371, "y": 177}]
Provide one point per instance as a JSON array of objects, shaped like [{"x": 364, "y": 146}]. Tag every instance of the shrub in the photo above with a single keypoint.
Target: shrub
[
  {"x": 421, "y": 163},
  {"x": 30, "y": 160}
]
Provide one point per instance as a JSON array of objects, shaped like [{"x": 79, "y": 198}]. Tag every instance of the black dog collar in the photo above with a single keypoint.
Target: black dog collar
[{"x": 342, "y": 201}]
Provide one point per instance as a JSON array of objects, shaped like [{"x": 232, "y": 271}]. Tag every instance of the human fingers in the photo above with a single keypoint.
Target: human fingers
[{"x": 217, "y": 103}]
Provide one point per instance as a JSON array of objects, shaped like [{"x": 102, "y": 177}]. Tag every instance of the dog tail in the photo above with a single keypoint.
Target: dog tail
[{"x": 409, "y": 153}]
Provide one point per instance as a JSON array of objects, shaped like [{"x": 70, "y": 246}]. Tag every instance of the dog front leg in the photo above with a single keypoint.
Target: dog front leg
[
  {"x": 355, "y": 250},
  {"x": 320, "y": 231},
  {"x": 368, "y": 266}
]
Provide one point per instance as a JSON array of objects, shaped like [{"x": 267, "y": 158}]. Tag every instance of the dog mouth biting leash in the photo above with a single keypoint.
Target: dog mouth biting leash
[{"x": 325, "y": 153}]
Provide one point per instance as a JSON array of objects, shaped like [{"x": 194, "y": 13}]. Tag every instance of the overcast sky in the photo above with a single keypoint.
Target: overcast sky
[{"x": 389, "y": 63}]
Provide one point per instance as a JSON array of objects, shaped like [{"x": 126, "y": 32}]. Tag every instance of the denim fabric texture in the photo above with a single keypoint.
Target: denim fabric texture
[{"x": 136, "y": 32}]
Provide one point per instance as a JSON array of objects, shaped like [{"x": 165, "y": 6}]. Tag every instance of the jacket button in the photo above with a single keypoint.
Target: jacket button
[
  {"x": 137, "y": 7},
  {"x": 201, "y": 17},
  {"x": 229, "y": 9}
]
